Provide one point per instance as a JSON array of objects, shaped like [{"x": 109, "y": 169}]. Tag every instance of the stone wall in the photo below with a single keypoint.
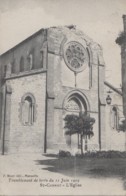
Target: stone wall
[
  {"x": 56, "y": 87},
  {"x": 62, "y": 82},
  {"x": 32, "y": 45},
  {"x": 115, "y": 138},
  {"x": 27, "y": 138}
]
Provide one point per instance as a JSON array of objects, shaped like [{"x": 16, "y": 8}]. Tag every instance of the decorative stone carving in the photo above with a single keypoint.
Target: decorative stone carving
[
  {"x": 72, "y": 106},
  {"x": 75, "y": 56}
]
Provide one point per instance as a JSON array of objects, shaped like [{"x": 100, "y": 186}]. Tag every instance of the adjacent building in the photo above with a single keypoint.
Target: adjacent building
[{"x": 121, "y": 40}]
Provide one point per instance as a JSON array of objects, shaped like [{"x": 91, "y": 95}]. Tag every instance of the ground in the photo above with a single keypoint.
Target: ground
[{"x": 35, "y": 174}]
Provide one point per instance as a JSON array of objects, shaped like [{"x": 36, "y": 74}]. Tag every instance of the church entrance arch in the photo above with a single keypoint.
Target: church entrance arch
[{"x": 74, "y": 103}]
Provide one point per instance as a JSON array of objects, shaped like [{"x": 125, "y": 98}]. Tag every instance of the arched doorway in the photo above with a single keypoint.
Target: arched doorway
[{"x": 75, "y": 103}]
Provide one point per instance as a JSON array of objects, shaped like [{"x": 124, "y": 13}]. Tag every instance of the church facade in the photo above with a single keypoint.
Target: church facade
[{"x": 55, "y": 72}]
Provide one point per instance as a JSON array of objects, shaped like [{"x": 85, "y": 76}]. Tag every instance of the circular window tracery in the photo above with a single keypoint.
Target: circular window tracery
[{"x": 75, "y": 56}]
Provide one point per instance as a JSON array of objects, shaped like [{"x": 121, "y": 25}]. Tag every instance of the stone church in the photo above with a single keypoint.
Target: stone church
[{"x": 55, "y": 72}]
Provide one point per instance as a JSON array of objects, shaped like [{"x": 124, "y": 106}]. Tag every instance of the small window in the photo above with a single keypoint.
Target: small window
[
  {"x": 42, "y": 58},
  {"x": 28, "y": 110},
  {"x": 7, "y": 70},
  {"x": 4, "y": 70},
  {"x": 13, "y": 66},
  {"x": 21, "y": 64},
  {"x": 30, "y": 61},
  {"x": 114, "y": 118}
]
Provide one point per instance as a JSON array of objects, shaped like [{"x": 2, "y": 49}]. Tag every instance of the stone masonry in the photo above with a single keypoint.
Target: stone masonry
[{"x": 39, "y": 69}]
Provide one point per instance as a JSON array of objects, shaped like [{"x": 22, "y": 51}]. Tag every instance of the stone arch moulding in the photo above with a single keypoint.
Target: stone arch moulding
[
  {"x": 78, "y": 94},
  {"x": 26, "y": 95},
  {"x": 89, "y": 51},
  {"x": 64, "y": 41},
  {"x": 90, "y": 63}
]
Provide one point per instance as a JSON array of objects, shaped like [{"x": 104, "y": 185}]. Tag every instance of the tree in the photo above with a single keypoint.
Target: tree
[{"x": 82, "y": 124}]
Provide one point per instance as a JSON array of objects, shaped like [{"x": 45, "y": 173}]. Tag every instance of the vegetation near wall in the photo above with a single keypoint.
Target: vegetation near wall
[{"x": 80, "y": 124}]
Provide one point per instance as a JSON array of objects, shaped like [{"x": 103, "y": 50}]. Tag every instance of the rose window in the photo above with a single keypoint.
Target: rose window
[{"x": 75, "y": 56}]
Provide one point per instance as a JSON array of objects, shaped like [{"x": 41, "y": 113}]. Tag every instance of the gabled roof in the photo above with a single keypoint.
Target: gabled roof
[
  {"x": 28, "y": 38},
  {"x": 32, "y": 36},
  {"x": 71, "y": 28}
]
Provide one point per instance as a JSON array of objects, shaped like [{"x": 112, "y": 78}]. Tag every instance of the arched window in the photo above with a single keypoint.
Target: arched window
[
  {"x": 42, "y": 58},
  {"x": 4, "y": 70},
  {"x": 13, "y": 66},
  {"x": 28, "y": 109},
  {"x": 21, "y": 64},
  {"x": 114, "y": 117},
  {"x": 30, "y": 61}
]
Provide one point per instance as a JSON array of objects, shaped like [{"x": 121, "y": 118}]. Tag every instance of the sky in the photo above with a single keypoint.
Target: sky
[{"x": 101, "y": 20}]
